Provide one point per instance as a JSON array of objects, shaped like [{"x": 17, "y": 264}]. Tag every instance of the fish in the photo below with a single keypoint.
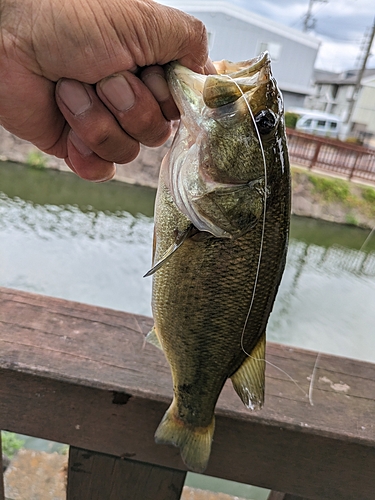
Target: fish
[{"x": 221, "y": 231}]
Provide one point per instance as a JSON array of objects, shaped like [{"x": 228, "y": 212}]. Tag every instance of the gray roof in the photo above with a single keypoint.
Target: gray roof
[{"x": 348, "y": 77}]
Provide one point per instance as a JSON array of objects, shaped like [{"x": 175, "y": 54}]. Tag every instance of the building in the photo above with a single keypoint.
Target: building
[
  {"x": 363, "y": 118},
  {"x": 334, "y": 93},
  {"x": 238, "y": 34}
]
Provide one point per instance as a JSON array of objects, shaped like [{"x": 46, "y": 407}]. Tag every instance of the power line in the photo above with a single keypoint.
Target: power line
[{"x": 309, "y": 21}]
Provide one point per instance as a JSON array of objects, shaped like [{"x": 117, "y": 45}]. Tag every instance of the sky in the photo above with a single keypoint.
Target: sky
[{"x": 341, "y": 26}]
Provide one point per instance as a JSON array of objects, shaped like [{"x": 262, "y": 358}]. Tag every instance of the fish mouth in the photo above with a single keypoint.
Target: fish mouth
[{"x": 232, "y": 81}]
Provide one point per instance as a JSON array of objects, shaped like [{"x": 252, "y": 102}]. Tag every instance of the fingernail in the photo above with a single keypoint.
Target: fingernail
[
  {"x": 74, "y": 96},
  {"x": 79, "y": 145},
  {"x": 158, "y": 86},
  {"x": 108, "y": 177},
  {"x": 118, "y": 92}
]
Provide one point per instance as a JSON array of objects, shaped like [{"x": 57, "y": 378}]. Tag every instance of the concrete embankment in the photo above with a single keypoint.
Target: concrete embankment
[{"x": 313, "y": 194}]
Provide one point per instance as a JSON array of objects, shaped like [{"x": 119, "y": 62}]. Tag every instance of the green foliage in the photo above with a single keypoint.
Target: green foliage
[
  {"x": 36, "y": 159},
  {"x": 331, "y": 189},
  {"x": 368, "y": 194},
  {"x": 11, "y": 443},
  {"x": 351, "y": 219},
  {"x": 290, "y": 119}
]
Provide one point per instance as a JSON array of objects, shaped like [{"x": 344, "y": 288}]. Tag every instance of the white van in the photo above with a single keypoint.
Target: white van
[{"x": 319, "y": 123}]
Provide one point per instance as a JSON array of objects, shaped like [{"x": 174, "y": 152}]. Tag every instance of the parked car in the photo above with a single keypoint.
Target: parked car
[{"x": 318, "y": 123}]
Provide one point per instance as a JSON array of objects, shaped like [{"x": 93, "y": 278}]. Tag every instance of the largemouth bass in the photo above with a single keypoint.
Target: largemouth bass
[{"x": 221, "y": 230}]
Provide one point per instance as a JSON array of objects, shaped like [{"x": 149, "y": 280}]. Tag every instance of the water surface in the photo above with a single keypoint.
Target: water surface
[{"x": 91, "y": 243}]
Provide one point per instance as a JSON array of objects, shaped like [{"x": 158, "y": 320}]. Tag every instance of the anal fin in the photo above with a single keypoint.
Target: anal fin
[{"x": 248, "y": 381}]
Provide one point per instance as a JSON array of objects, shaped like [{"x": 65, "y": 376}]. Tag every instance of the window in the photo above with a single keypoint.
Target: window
[
  {"x": 333, "y": 125},
  {"x": 273, "y": 48},
  {"x": 210, "y": 39},
  {"x": 321, "y": 123}
]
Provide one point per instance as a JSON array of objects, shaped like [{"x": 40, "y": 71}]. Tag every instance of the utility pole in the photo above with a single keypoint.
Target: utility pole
[
  {"x": 309, "y": 21},
  {"x": 359, "y": 78}
]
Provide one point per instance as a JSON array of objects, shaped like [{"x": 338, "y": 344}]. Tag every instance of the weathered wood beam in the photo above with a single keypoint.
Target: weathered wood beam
[
  {"x": 83, "y": 375},
  {"x": 96, "y": 476},
  {"x": 277, "y": 495}
]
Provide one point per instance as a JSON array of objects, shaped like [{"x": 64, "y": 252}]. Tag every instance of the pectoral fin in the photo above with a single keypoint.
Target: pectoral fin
[
  {"x": 248, "y": 380},
  {"x": 172, "y": 249}
]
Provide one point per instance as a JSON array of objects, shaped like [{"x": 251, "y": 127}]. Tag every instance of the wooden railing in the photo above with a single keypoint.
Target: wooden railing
[
  {"x": 334, "y": 156},
  {"x": 83, "y": 375}
]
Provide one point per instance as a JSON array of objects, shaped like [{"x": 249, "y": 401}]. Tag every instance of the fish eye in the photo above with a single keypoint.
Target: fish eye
[{"x": 265, "y": 121}]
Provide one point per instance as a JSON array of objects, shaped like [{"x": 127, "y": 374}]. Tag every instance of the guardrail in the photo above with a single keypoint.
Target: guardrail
[
  {"x": 83, "y": 375},
  {"x": 348, "y": 160}
]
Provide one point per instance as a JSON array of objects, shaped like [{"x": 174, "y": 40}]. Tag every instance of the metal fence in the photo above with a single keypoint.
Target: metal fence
[{"x": 344, "y": 159}]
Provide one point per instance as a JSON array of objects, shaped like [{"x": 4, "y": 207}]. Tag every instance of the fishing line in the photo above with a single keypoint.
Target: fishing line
[
  {"x": 264, "y": 215},
  {"x": 261, "y": 243}
]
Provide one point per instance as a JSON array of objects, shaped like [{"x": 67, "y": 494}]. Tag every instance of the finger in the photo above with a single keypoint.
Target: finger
[
  {"x": 154, "y": 79},
  {"x": 135, "y": 108},
  {"x": 28, "y": 108},
  {"x": 209, "y": 68},
  {"x": 93, "y": 123},
  {"x": 85, "y": 163}
]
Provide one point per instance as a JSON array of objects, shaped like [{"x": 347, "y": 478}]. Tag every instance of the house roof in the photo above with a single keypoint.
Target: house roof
[
  {"x": 228, "y": 9},
  {"x": 348, "y": 77}
]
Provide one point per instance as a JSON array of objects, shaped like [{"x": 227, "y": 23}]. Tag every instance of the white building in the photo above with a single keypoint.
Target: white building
[
  {"x": 238, "y": 34},
  {"x": 363, "y": 118},
  {"x": 334, "y": 93}
]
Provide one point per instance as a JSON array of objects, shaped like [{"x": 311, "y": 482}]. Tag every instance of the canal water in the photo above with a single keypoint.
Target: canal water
[{"x": 91, "y": 243}]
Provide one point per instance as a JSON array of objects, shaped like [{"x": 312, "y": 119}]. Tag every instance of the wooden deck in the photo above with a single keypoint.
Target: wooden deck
[{"x": 84, "y": 376}]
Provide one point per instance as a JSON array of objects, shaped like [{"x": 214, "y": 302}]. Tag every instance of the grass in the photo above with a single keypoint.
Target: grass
[
  {"x": 331, "y": 189},
  {"x": 35, "y": 159},
  {"x": 368, "y": 194}
]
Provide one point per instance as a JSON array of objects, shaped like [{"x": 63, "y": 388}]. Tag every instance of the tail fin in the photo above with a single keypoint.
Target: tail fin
[{"x": 194, "y": 442}]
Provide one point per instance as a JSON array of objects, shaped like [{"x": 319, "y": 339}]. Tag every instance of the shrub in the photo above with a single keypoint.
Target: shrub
[
  {"x": 368, "y": 194},
  {"x": 291, "y": 119},
  {"x": 11, "y": 443}
]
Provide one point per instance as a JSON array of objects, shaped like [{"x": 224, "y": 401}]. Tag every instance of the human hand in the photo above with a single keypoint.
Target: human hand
[{"x": 72, "y": 77}]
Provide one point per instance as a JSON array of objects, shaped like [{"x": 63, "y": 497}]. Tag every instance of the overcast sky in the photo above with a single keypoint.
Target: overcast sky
[{"x": 340, "y": 25}]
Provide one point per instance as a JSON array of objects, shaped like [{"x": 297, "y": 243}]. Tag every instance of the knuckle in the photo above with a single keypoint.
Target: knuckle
[
  {"x": 97, "y": 137},
  {"x": 127, "y": 155}
]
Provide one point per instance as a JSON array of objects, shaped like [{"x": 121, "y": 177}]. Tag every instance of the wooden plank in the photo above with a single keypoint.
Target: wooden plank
[
  {"x": 83, "y": 375},
  {"x": 2, "y": 497},
  {"x": 96, "y": 476},
  {"x": 277, "y": 495}
]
